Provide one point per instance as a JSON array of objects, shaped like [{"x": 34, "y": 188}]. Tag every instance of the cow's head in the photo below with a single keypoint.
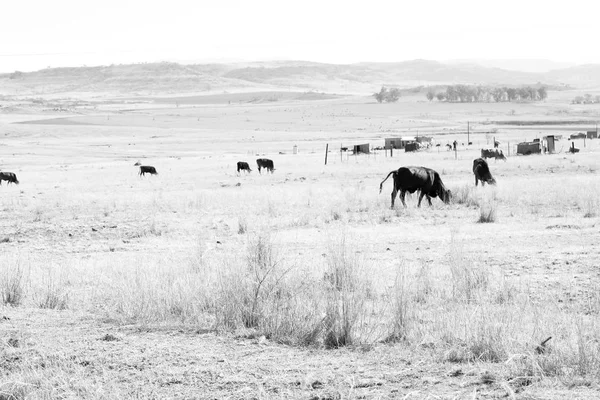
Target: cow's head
[{"x": 446, "y": 196}]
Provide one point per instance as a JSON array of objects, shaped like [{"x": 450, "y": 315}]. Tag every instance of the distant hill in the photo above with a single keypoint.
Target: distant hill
[{"x": 172, "y": 78}]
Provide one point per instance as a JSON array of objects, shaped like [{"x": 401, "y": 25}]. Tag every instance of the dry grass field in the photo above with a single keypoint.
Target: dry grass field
[{"x": 202, "y": 283}]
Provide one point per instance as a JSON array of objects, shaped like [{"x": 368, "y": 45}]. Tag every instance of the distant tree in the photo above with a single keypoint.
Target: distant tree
[
  {"x": 430, "y": 95},
  {"x": 578, "y": 100},
  {"x": 512, "y": 94},
  {"x": 533, "y": 93},
  {"x": 523, "y": 93},
  {"x": 381, "y": 95},
  {"x": 441, "y": 96},
  {"x": 542, "y": 93},
  {"x": 588, "y": 99},
  {"x": 393, "y": 95},
  {"x": 389, "y": 96},
  {"x": 597, "y": 99},
  {"x": 498, "y": 94}
]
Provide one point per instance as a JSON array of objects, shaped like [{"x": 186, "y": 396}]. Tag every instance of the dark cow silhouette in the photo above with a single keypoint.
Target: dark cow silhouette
[
  {"x": 243, "y": 166},
  {"x": 482, "y": 172},
  {"x": 266, "y": 164},
  {"x": 147, "y": 169},
  {"x": 10, "y": 177},
  {"x": 411, "y": 179},
  {"x": 492, "y": 153}
]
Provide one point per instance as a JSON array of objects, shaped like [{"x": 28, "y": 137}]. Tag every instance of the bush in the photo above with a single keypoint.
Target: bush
[{"x": 11, "y": 285}]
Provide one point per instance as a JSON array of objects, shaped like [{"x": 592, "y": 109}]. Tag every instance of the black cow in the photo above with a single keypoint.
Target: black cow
[
  {"x": 493, "y": 153},
  {"x": 482, "y": 172},
  {"x": 147, "y": 169},
  {"x": 10, "y": 177},
  {"x": 243, "y": 166},
  {"x": 266, "y": 164},
  {"x": 411, "y": 179}
]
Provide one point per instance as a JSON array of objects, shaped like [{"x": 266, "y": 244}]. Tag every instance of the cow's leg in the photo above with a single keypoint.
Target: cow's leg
[
  {"x": 429, "y": 200},
  {"x": 420, "y": 198},
  {"x": 476, "y": 180},
  {"x": 402, "y": 197},
  {"x": 394, "y": 194}
]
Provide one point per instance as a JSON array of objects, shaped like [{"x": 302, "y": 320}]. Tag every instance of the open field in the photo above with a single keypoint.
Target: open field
[{"x": 201, "y": 283}]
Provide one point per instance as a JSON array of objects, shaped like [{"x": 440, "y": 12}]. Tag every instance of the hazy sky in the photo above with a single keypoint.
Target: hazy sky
[{"x": 36, "y": 34}]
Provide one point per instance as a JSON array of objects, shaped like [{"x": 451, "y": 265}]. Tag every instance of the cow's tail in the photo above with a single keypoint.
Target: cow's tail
[{"x": 386, "y": 178}]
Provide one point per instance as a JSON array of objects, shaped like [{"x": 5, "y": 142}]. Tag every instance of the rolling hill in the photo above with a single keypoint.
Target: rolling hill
[{"x": 167, "y": 78}]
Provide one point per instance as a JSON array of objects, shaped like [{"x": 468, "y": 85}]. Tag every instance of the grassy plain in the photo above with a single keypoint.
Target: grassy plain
[{"x": 201, "y": 283}]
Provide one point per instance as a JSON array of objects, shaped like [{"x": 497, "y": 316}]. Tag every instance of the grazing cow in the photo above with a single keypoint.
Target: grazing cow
[
  {"x": 493, "y": 153},
  {"x": 10, "y": 177},
  {"x": 243, "y": 166},
  {"x": 449, "y": 146},
  {"x": 482, "y": 172},
  {"x": 266, "y": 164},
  {"x": 147, "y": 169},
  {"x": 496, "y": 144},
  {"x": 411, "y": 179}
]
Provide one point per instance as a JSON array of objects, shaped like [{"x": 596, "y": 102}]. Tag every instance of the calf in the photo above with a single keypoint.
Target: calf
[
  {"x": 482, "y": 172},
  {"x": 243, "y": 166},
  {"x": 147, "y": 169}
]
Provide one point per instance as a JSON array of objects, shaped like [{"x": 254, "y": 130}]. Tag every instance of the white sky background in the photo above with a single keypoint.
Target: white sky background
[{"x": 35, "y": 34}]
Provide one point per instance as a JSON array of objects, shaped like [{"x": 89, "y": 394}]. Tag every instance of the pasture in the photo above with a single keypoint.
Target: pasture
[{"x": 202, "y": 283}]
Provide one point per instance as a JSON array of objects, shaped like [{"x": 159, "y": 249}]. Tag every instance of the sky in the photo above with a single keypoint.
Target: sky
[{"x": 36, "y": 34}]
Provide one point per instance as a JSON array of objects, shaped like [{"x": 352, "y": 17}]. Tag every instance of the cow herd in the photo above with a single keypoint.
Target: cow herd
[
  {"x": 429, "y": 183},
  {"x": 405, "y": 179},
  {"x": 261, "y": 163}
]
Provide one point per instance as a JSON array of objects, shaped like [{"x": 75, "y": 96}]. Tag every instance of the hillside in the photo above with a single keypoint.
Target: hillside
[{"x": 172, "y": 78}]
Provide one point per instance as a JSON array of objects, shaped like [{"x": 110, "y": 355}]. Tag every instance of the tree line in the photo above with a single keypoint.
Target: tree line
[
  {"x": 586, "y": 99},
  {"x": 478, "y": 94}
]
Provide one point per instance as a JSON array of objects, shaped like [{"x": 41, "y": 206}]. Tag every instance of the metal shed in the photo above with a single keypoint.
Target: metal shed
[
  {"x": 361, "y": 148},
  {"x": 527, "y": 148}
]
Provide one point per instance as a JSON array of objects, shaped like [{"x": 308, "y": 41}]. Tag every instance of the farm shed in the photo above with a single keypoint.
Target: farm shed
[
  {"x": 578, "y": 135},
  {"x": 393, "y": 143},
  {"x": 413, "y": 146},
  {"x": 399, "y": 143},
  {"x": 361, "y": 148},
  {"x": 592, "y": 134},
  {"x": 424, "y": 139},
  {"x": 548, "y": 142},
  {"x": 527, "y": 148}
]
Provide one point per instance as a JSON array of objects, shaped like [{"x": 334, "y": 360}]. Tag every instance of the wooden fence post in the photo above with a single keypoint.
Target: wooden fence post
[{"x": 326, "y": 151}]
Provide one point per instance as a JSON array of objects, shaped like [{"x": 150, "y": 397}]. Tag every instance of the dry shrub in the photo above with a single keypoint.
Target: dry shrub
[
  {"x": 469, "y": 278},
  {"x": 12, "y": 284},
  {"x": 54, "y": 297},
  {"x": 590, "y": 205},
  {"x": 401, "y": 308},
  {"x": 242, "y": 225},
  {"x": 263, "y": 295},
  {"x": 158, "y": 293},
  {"x": 465, "y": 195},
  {"x": 345, "y": 296},
  {"x": 488, "y": 206}
]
